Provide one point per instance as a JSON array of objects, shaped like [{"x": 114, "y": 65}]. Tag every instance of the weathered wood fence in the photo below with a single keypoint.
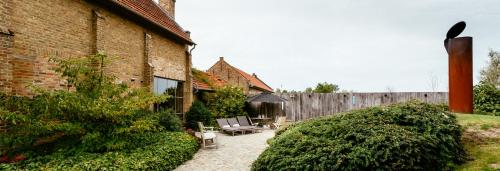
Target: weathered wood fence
[{"x": 301, "y": 106}]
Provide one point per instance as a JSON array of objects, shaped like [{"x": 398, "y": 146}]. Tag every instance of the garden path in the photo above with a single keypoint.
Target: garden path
[{"x": 234, "y": 153}]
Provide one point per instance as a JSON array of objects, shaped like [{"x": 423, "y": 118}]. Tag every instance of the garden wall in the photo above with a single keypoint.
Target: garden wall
[{"x": 301, "y": 106}]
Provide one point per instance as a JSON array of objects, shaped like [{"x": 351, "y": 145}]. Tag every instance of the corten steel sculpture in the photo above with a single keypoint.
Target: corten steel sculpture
[{"x": 459, "y": 69}]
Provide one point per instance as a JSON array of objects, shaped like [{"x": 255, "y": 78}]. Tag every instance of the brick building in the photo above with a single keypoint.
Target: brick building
[
  {"x": 152, "y": 49},
  {"x": 251, "y": 84}
]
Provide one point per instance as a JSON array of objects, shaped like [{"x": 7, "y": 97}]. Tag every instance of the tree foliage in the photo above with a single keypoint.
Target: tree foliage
[
  {"x": 97, "y": 114},
  {"x": 491, "y": 74},
  {"x": 324, "y": 87},
  {"x": 198, "y": 113},
  {"x": 486, "y": 99},
  {"x": 227, "y": 101}
]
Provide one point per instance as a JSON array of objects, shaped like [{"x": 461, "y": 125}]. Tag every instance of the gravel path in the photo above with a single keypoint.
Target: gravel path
[{"x": 233, "y": 153}]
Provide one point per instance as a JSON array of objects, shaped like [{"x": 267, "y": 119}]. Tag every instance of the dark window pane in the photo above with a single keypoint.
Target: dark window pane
[{"x": 172, "y": 88}]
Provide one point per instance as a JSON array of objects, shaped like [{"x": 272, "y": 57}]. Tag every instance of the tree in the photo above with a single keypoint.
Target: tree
[
  {"x": 309, "y": 90},
  {"x": 433, "y": 82},
  {"x": 227, "y": 101},
  {"x": 326, "y": 88},
  {"x": 491, "y": 74}
]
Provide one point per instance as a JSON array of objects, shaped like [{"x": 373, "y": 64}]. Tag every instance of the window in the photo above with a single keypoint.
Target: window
[{"x": 172, "y": 88}]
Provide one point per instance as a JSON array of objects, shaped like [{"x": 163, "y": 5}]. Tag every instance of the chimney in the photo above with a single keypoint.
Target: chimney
[
  {"x": 221, "y": 58},
  {"x": 169, "y": 6}
]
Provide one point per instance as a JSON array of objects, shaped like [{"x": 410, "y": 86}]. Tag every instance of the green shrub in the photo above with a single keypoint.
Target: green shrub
[
  {"x": 486, "y": 99},
  {"x": 170, "y": 121},
  {"x": 408, "y": 136},
  {"x": 100, "y": 114},
  {"x": 163, "y": 151},
  {"x": 198, "y": 113},
  {"x": 227, "y": 102}
]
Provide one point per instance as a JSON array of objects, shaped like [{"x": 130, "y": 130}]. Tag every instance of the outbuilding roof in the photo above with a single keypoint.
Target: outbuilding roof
[{"x": 206, "y": 81}]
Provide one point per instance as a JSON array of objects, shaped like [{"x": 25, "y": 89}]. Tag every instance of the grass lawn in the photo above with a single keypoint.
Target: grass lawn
[{"x": 482, "y": 141}]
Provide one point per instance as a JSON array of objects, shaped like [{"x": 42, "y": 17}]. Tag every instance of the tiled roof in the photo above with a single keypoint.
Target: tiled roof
[
  {"x": 254, "y": 81},
  {"x": 200, "y": 85},
  {"x": 155, "y": 14},
  {"x": 211, "y": 82}
]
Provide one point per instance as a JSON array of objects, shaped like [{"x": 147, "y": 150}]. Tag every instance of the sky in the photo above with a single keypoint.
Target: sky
[{"x": 360, "y": 45}]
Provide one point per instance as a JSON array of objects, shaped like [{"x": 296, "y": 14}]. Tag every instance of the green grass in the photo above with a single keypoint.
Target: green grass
[
  {"x": 484, "y": 151},
  {"x": 478, "y": 121}
]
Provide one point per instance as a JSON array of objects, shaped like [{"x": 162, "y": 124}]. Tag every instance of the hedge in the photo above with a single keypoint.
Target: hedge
[
  {"x": 170, "y": 150},
  {"x": 408, "y": 136}
]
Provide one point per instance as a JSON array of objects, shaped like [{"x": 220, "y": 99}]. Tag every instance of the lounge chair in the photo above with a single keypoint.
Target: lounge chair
[
  {"x": 235, "y": 124},
  {"x": 207, "y": 133},
  {"x": 224, "y": 126},
  {"x": 243, "y": 120},
  {"x": 279, "y": 122}
]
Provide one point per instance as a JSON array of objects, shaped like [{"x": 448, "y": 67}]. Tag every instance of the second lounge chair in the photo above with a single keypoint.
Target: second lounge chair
[{"x": 224, "y": 126}]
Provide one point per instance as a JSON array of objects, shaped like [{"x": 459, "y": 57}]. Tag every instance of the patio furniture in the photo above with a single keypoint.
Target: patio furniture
[
  {"x": 207, "y": 135},
  {"x": 225, "y": 127},
  {"x": 279, "y": 122},
  {"x": 235, "y": 124},
  {"x": 243, "y": 120}
]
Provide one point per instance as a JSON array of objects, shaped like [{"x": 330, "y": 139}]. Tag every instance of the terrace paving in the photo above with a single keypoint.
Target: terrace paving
[{"x": 234, "y": 153}]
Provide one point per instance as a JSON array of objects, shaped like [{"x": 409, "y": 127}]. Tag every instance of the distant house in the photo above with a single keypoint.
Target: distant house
[
  {"x": 153, "y": 49},
  {"x": 251, "y": 84}
]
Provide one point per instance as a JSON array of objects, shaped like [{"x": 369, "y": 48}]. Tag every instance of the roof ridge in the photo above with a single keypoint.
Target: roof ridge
[
  {"x": 157, "y": 16},
  {"x": 263, "y": 83},
  {"x": 244, "y": 74}
]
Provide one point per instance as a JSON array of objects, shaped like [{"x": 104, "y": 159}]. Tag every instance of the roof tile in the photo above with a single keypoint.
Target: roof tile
[{"x": 154, "y": 13}]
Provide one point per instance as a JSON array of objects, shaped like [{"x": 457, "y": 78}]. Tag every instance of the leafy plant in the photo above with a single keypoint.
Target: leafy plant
[
  {"x": 159, "y": 151},
  {"x": 323, "y": 88},
  {"x": 100, "y": 114},
  {"x": 198, "y": 113},
  {"x": 227, "y": 101},
  {"x": 486, "y": 99},
  {"x": 407, "y": 136},
  {"x": 491, "y": 74},
  {"x": 170, "y": 121}
]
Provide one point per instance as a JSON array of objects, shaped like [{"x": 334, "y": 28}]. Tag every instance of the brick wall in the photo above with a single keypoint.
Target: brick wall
[
  {"x": 75, "y": 28},
  {"x": 227, "y": 73}
]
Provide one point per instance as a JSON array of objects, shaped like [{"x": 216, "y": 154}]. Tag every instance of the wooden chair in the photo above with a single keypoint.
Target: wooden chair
[
  {"x": 244, "y": 122},
  {"x": 279, "y": 122},
  {"x": 207, "y": 135}
]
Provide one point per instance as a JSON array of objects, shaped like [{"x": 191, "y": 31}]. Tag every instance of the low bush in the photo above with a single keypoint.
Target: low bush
[
  {"x": 407, "y": 136},
  {"x": 170, "y": 121},
  {"x": 486, "y": 99},
  {"x": 95, "y": 124},
  {"x": 198, "y": 113},
  {"x": 163, "y": 151}
]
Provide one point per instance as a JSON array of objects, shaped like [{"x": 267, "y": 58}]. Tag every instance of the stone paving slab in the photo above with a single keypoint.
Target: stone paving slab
[{"x": 233, "y": 153}]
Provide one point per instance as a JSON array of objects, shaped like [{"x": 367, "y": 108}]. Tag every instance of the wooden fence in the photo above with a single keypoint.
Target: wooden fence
[{"x": 301, "y": 106}]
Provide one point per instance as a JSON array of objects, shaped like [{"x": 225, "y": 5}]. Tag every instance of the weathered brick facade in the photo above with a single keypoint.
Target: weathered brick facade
[
  {"x": 33, "y": 31},
  {"x": 250, "y": 84}
]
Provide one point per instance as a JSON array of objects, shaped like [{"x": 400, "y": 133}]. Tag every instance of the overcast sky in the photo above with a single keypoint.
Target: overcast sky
[{"x": 361, "y": 45}]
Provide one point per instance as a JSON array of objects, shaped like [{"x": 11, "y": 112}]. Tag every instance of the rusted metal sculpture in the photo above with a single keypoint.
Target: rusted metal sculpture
[{"x": 459, "y": 69}]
